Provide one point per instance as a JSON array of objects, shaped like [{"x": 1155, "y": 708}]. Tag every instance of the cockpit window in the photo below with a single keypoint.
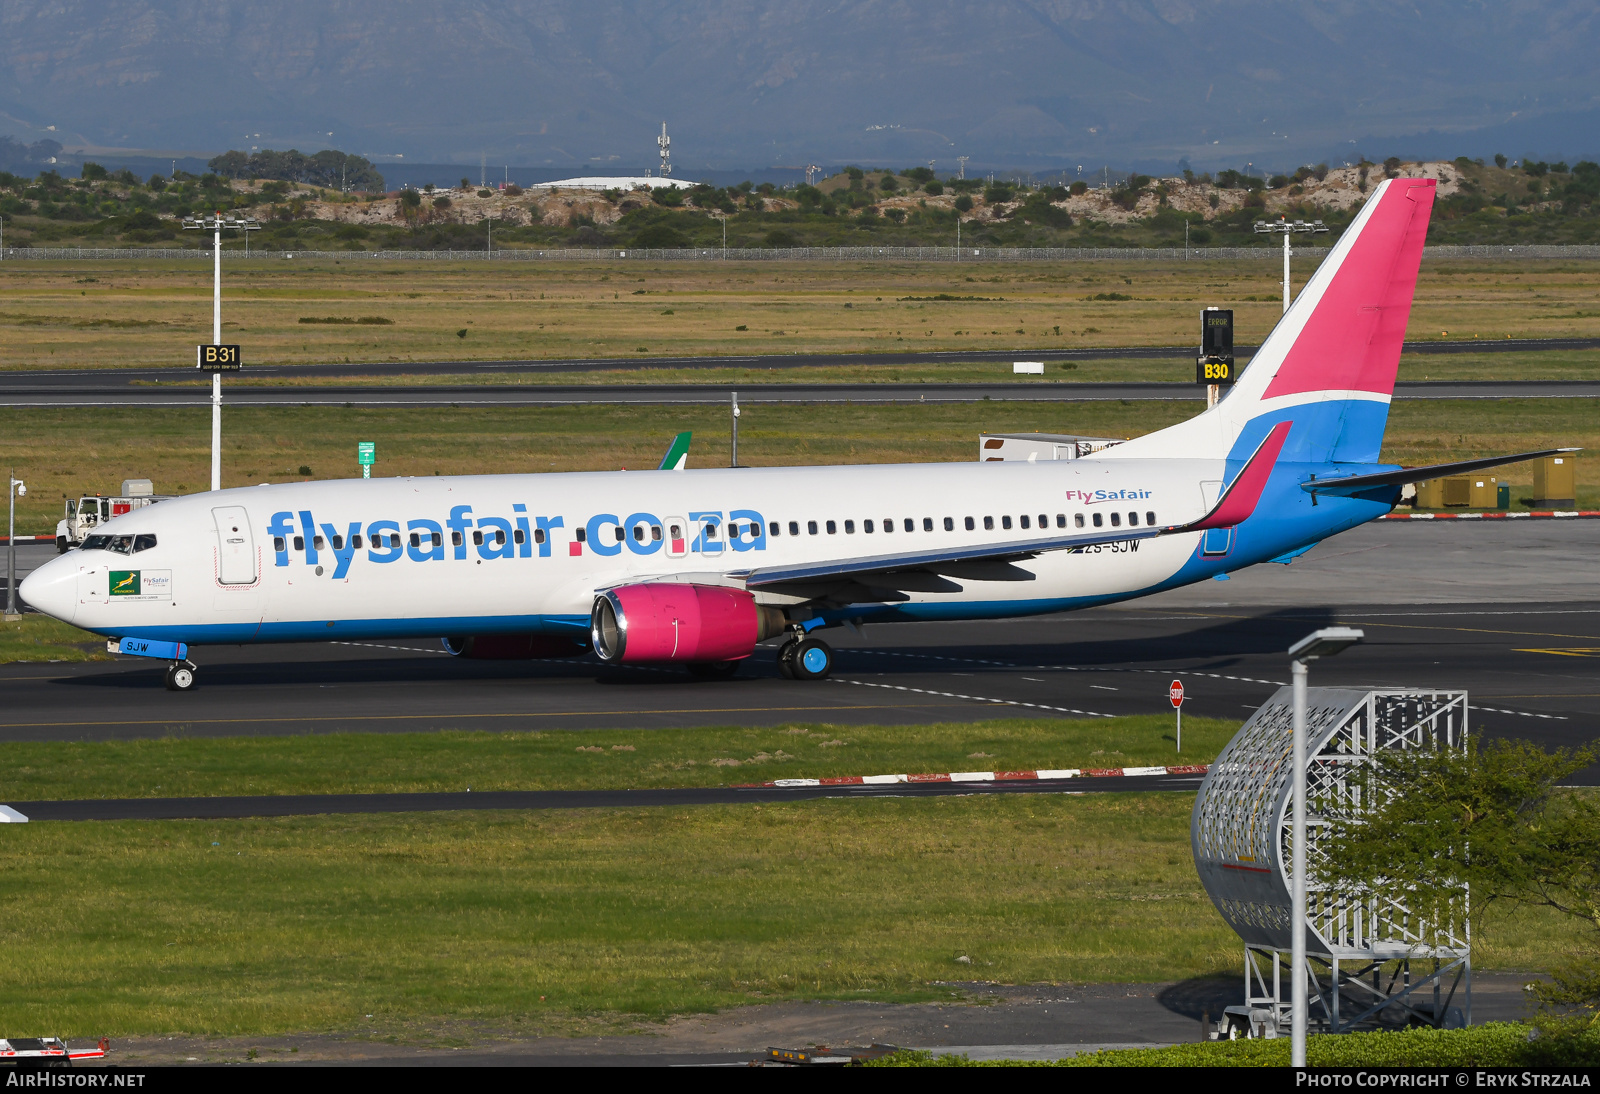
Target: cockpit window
[
  {"x": 123, "y": 545},
  {"x": 96, "y": 543},
  {"x": 143, "y": 543}
]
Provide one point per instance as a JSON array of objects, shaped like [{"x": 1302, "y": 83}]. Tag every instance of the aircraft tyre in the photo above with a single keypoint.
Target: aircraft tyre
[
  {"x": 713, "y": 670},
  {"x": 180, "y": 678},
  {"x": 786, "y": 658},
  {"x": 812, "y": 660}
]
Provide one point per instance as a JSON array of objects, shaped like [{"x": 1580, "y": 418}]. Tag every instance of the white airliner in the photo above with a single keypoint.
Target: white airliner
[{"x": 698, "y": 566}]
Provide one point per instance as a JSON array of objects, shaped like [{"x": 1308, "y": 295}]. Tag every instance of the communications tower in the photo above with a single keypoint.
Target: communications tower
[{"x": 665, "y": 144}]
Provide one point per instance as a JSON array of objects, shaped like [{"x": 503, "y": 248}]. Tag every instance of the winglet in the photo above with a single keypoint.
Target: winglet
[
  {"x": 1245, "y": 491},
  {"x": 677, "y": 457}
]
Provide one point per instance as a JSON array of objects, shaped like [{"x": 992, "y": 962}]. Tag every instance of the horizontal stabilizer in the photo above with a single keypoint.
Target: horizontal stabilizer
[{"x": 1355, "y": 484}]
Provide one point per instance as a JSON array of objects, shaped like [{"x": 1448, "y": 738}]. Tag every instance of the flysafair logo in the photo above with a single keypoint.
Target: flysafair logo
[
  {"x": 520, "y": 535},
  {"x": 1091, "y": 497}
]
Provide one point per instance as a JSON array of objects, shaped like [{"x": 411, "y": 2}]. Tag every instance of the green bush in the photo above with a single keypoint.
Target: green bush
[{"x": 1496, "y": 1044}]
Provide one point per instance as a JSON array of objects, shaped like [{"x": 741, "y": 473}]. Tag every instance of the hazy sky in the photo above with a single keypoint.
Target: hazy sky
[{"x": 745, "y": 84}]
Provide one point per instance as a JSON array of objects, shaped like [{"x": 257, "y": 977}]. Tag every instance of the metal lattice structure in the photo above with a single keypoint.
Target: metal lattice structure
[{"x": 1362, "y": 945}]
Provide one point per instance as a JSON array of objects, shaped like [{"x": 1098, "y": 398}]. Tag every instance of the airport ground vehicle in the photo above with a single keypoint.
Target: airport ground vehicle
[
  {"x": 698, "y": 566},
  {"x": 84, "y": 514}
]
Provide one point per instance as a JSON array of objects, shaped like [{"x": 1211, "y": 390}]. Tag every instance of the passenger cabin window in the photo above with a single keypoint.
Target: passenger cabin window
[
  {"x": 711, "y": 531},
  {"x": 1005, "y": 522},
  {"x": 811, "y": 526},
  {"x": 338, "y": 543},
  {"x": 888, "y": 525},
  {"x": 583, "y": 535},
  {"x": 1150, "y": 518},
  {"x": 278, "y": 544},
  {"x": 1133, "y": 519},
  {"x": 1077, "y": 520},
  {"x": 849, "y": 527},
  {"x": 318, "y": 542},
  {"x": 1025, "y": 520},
  {"x": 438, "y": 538},
  {"x": 355, "y": 541},
  {"x": 1116, "y": 520},
  {"x": 833, "y": 528},
  {"x": 866, "y": 526},
  {"x": 143, "y": 543},
  {"x": 950, "y": 524},
  {"x": 499, "y": 537},
  {"x": 655, "y": 533},
  {"x": 755, "y": 530},
  {"x": 1044, "y": 521},
  {"x": 1099, "y": 519},
  {"x": 794, "y": 528},
  {"x": 988, "y": 524},
  {"x": 477, "y": 538},
  {"x": 773, "y": 529},
  {"x": 455, "y": 539},
  {"x": 517, "y": 537},
  {"x": 299, "y": 543},
  {"x": 416, "y": 539},
  {"x": 927, "y": 524},
  {"x": 538, "y": 537},
  {"x": 394, "y": 538}
]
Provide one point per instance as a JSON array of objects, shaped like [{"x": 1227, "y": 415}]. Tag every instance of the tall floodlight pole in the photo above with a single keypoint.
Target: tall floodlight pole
[
  {"x": 218, "y": 359},
  {"x": 1286, "y": 228},
  {"x": 1323, "y": 643},
  {"x": 16, "y": 490}
]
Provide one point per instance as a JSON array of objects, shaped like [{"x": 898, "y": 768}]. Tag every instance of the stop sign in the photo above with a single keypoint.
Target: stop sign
[{"x": 1175, "y": 693}]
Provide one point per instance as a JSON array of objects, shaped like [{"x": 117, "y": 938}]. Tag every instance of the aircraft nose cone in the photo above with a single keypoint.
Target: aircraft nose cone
[{"x": 52, "y": 589}]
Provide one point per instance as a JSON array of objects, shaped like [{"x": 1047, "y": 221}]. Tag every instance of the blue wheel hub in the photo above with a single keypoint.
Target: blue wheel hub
[{"x": 814, "y": 660}]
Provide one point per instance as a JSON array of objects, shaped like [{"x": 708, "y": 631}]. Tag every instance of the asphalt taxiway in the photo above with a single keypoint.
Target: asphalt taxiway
[
  {"x": 1508, "y": 611},
  {"x": 239, "y": 392}
]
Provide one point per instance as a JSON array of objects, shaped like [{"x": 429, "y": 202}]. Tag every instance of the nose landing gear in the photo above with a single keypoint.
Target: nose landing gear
[{"x": 180, "y": 676}]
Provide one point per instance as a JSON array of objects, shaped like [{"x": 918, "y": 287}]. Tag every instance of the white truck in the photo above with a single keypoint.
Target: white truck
[{"x": 83, "y": 514}]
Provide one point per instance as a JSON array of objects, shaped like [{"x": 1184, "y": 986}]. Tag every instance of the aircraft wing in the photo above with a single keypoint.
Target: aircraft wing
[
  {"x": 931, "y": 561},
  {"x": 1354, "y": 484},
  {"x": 1234, "y": 507}
]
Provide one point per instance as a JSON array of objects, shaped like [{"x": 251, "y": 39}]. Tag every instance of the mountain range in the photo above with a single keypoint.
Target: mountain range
[{"x": 1032, "y": 84}]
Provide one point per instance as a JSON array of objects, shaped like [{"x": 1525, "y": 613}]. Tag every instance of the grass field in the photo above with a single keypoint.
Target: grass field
[
  {"x": 561, "y": 920},
  {"x": 573, "y": 760},
  {"x": 61, "y": 451},
  {"x": 101, "y": 314}
]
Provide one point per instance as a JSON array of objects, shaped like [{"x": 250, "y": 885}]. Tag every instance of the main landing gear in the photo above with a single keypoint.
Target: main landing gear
[
  {"x": 805, "y": 659},
  {"x": 180, "y": 676}
]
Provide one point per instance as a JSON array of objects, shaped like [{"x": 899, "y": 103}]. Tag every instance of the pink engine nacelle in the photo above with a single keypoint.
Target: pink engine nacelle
[{"x": 672, "y": 621}]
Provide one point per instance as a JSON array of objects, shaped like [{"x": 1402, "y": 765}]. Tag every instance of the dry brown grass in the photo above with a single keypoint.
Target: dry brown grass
[{"x": 99, "y": 314}]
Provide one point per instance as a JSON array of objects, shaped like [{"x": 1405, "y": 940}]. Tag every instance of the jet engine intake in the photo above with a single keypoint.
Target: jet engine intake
[{"x": 675, "y": 621}]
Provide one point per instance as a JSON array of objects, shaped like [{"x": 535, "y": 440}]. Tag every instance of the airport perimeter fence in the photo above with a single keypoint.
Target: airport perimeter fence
[{"x": 787, "y": 254}]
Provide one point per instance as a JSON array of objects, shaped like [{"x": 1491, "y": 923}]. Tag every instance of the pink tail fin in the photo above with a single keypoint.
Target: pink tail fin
[{"x": 1357, "y": 310}]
